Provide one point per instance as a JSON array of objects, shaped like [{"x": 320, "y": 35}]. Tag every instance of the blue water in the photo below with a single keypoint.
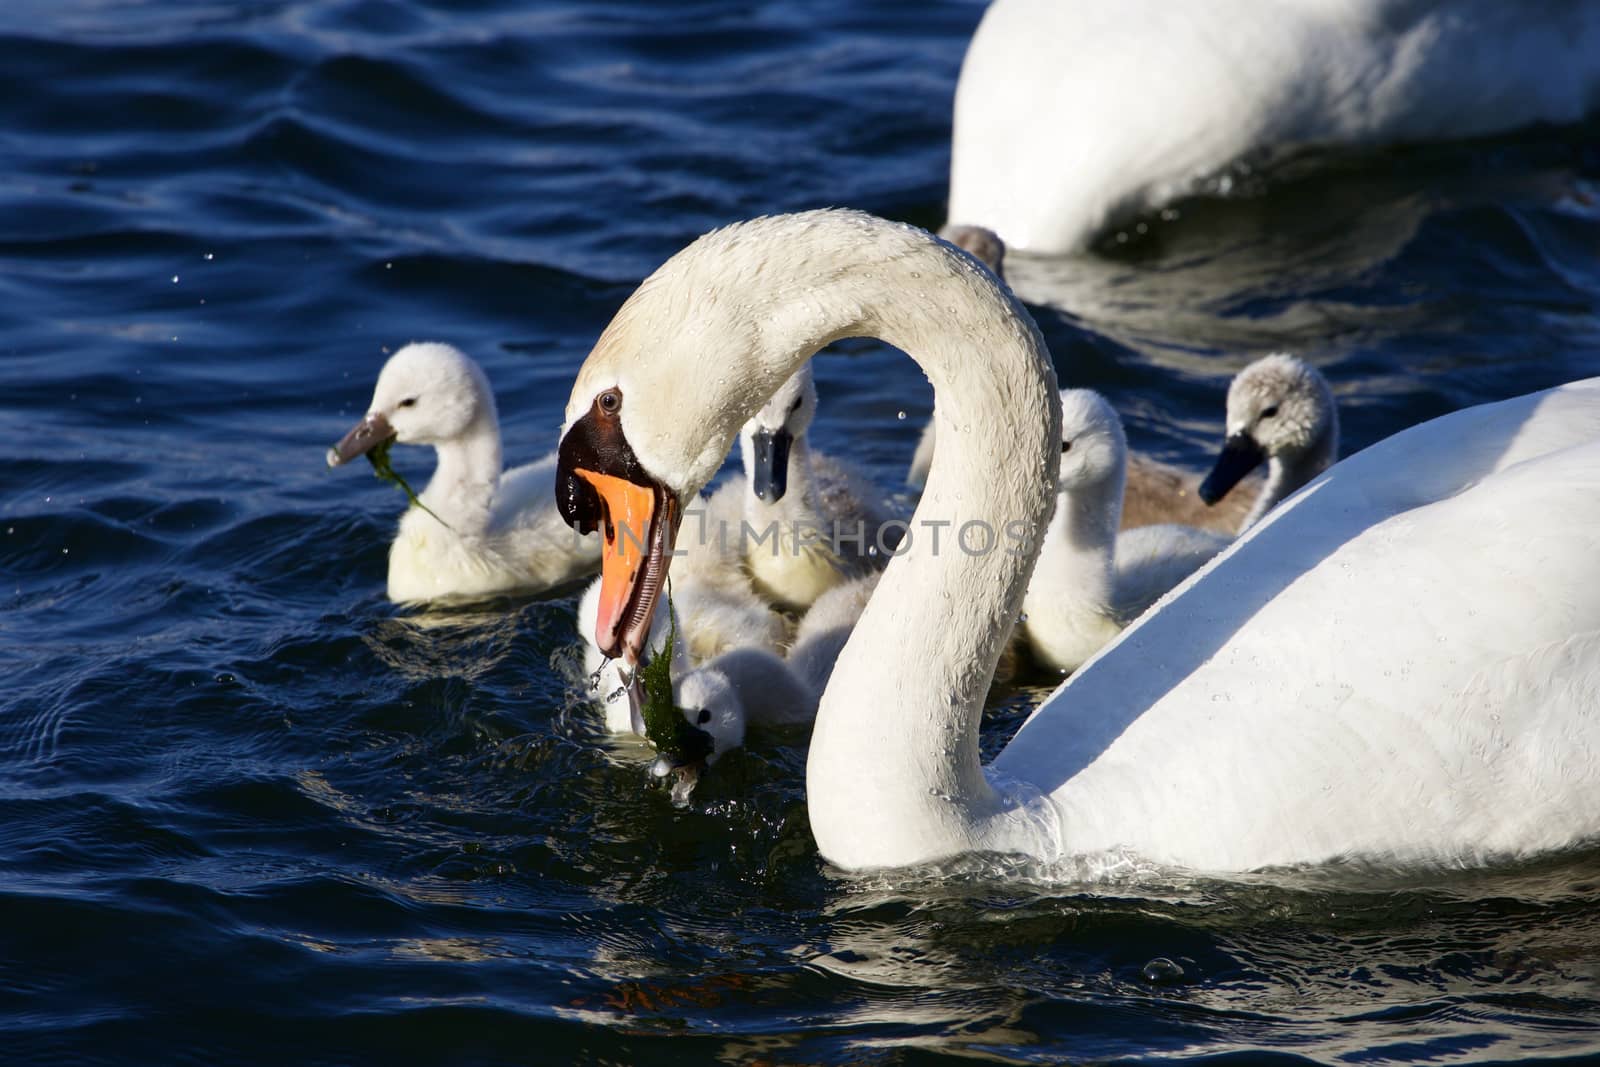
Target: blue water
[{"x": 250, "y": 812}]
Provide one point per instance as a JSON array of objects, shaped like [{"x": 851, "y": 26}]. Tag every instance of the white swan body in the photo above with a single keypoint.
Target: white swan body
[
  {"x": 1401, "y": 663},
  {"x": 480, "y": 531},
  {"x": 1279, "y": 409},
  {"x": 1397, "y": 663},
  {"x": 1073, "y": 116},
  {"x": 1090, "y": 581}
]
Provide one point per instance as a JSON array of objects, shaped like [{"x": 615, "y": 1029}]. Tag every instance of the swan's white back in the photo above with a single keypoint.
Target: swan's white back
[
  {"x": 1403, "y": 661},
  {"x": 1070, "y": 116}
]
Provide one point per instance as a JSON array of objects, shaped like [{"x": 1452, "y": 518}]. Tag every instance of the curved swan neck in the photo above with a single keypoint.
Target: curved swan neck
[
  {"x": 893, "y": 774},
  {"x": 461, "y": 491}
]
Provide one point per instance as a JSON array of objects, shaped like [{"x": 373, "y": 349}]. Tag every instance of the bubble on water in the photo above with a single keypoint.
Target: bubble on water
[
  {"x": 900, "y": 415},
  {"x": 174, "y": 279},
  {"x": 1163, "y": 971},
  {"x": 210, "y": 256}
]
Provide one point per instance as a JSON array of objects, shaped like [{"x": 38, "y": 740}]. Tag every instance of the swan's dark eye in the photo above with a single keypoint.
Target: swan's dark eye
[
  {"x": 1066, "y": 446},
  {"x": 796, "y": 405},
  {"x": 408, "y": 402},
  {"x": 610, "y": 401},
  {"x": 1267, "y": 413},
  {"x": 704, "y": 717}
]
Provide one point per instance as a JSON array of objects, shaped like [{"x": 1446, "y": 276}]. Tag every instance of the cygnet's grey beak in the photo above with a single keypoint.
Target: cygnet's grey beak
[
  {"x": 366, "y": 435},
  {"x": 769, "y": 477}
]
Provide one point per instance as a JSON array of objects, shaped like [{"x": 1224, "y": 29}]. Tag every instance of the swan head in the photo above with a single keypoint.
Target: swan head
[
  {"x": 766, "y": 440},
  {"x": 427, "y": 394},
  {"x": 1278, "y": 407},
  {"x": 697, "y": 350},
  {"x": 1093, "y": 445}
]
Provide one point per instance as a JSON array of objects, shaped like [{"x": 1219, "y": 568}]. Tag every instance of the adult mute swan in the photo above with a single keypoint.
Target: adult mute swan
[
  {"x": 1090, "y": 581},
  {"x": 1070, "y": 117},
  {"x": 1280, "y": 410},
  {"x": 1401, "y": 663},
  {"x": 480, "y": 530}
]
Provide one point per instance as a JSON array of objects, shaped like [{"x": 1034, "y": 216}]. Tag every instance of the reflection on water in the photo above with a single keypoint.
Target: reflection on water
[
  {"x": 1285, "y": 265},
  {"x": 1328, "y": 962},
  {"x": 460, "y": 643},
  {"x": 1233, "y": 277}
]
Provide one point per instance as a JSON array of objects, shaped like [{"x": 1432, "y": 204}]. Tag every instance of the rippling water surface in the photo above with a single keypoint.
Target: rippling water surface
[{"x": 251, "y": 812}]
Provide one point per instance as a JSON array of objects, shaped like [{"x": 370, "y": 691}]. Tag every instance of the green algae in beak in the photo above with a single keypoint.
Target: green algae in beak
[
  {"x": 378, "y": 456},
  {"x": 680, "y": 744}
]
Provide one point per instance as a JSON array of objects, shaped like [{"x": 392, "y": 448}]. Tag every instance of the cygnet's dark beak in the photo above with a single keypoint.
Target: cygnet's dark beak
[
  {"x": 1240, "y": 455},
  {"x": 769, "y": 477}
]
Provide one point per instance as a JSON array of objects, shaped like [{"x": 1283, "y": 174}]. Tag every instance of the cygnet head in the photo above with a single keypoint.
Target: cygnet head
[
  {"x": 1279, "y": 407},
  {"x": 427, "y": 394},
  {"x": 711, "y": 707},
  {"x": 766, "y": 440},
  {"x": 713, "y": 726},
  {"x": 984, "y": 245},
  {"x": 1093, "y": 445}
]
